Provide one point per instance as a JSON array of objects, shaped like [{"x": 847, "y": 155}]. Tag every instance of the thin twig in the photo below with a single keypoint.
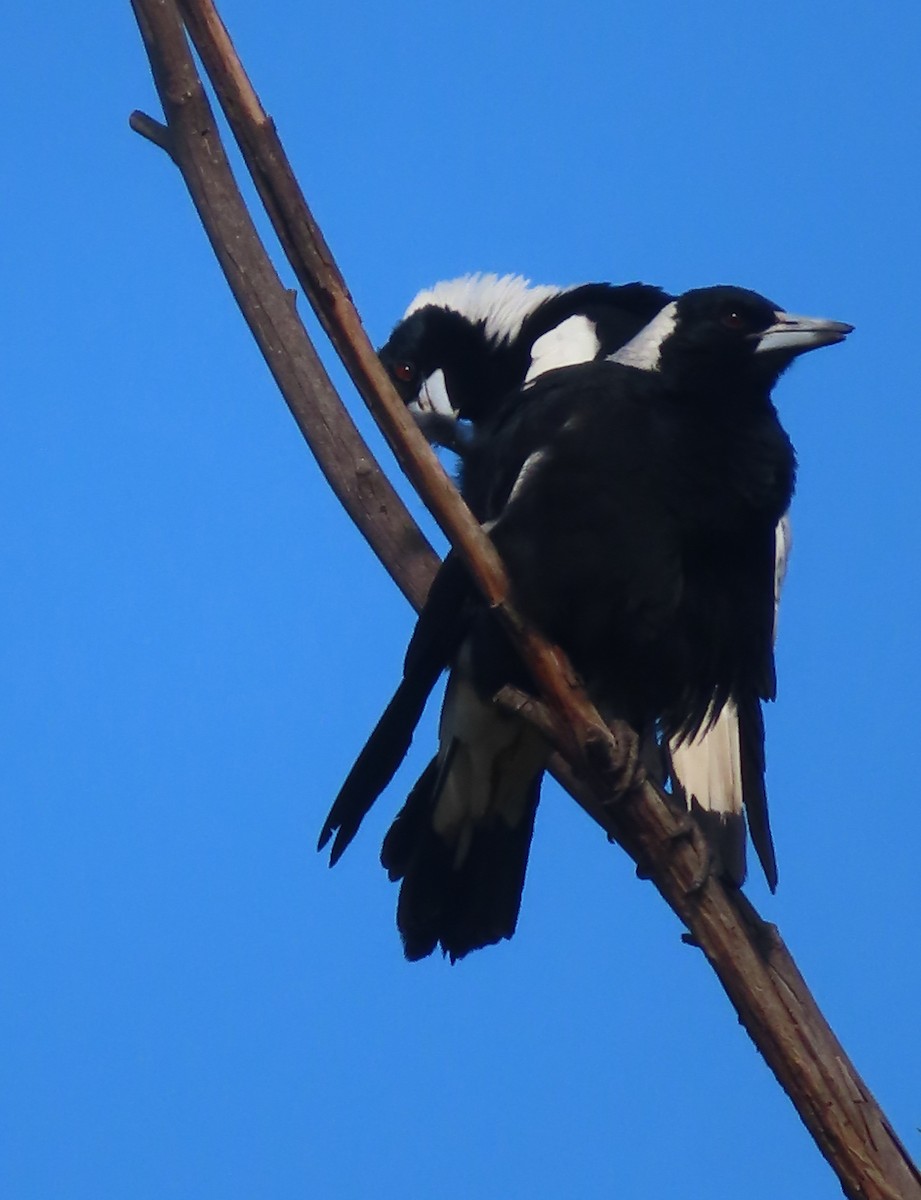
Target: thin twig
[
  {"x": 154, "y": 131},
  {"x": 753, "y": 965}
]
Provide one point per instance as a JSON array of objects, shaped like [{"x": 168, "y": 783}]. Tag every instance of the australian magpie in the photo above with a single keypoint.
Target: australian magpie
[
  {"x": 461, "y": 346},
  {"x": 634, "y": 500}
]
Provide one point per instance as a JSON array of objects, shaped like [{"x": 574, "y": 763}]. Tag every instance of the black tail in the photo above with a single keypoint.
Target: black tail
[
  {"x": 751, "y": 736},
  {"x": 377, "y": 764},
  {"x": 438, "y": 633},
  {"x": 459, "y": 897}
]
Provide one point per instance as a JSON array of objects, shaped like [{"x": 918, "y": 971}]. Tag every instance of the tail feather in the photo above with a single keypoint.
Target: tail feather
[
  {"x": 720, "y": 773},
  {"x": 459, "y": 906},
  {"x": 460, "y": 844},
  {"x": 376, "y": 765},
  {"x": 708, "y": 770},
  {"x": 437, "y": 635},
  {"x": 751, "y": 733}
]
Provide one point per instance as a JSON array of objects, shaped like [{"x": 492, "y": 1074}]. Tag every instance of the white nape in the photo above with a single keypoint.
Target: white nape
[{"x": 501, "y": 302}]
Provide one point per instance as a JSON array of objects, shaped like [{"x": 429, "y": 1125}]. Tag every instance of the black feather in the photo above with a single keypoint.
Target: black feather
[
  {"x": 464, "y": 905},
  {"x": 635, "y": 511},
  {"x": 438, "y": 633},
  {"x": 751, "y": 733}
]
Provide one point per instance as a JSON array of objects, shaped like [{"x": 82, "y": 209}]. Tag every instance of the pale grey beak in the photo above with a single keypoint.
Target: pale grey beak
[
  {"x": 795, "y": 335},
  {"x": 433, "y": 397}
]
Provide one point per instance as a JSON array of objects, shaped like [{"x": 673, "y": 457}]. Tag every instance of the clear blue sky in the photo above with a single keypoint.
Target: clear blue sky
[{"x": 196, "y": 642}]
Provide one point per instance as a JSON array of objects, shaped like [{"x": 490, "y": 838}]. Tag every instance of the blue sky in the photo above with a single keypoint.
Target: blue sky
[{"x": 196, "y": 642}]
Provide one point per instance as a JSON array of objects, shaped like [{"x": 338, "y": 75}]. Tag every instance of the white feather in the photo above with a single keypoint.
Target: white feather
[
  {"x": 783, "y": 544},
  {"x": 574, "y": 340},
  {"x": 494, "y": 757},
  {"x": 644, "y": 351},
  {"x": 709, "y": 767},
  {"x": 501, "y": 302}
]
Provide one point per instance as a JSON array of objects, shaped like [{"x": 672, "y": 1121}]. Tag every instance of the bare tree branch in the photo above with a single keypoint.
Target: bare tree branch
[
  {"x": 747, "y": 954},
  {"x": 154, "y": 131},
  {"x": 318, "y": 274},
  {"x": 191, "y": 139}
]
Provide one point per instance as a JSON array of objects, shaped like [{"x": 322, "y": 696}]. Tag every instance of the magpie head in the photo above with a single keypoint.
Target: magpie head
[
  {"x": 727, "y": 334},
  {"x": 440, "y": 361},
  {"x": 455, "y": 351}
]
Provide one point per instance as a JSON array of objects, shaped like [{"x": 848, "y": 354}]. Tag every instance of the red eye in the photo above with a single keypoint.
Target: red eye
[
  {"x": 734, "y": 320},
  {"x": 404, "y": 371}
]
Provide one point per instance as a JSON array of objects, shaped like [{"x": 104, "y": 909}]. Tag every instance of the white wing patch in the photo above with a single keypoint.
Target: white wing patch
[
  {"x": 644, "y": 351},
  {"x": 574, "y": 340},
  {"x": 501, "y": 302}
]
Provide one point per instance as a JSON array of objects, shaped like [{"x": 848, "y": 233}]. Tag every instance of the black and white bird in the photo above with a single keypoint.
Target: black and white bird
[
  {"x": 499, "y": 329},
  {"x": 465, "y": 344},
  {"x": 634, "y": 503}
]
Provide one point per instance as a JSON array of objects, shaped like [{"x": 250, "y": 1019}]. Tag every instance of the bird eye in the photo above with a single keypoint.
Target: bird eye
[
  {"x": 734, "y": 320},
  {"x": 404, "y": 371}
]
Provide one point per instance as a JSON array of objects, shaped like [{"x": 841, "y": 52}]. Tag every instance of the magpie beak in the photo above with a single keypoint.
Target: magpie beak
[
  {"x": 795, "y": 335},
  {"x": 433, "y": 397}
]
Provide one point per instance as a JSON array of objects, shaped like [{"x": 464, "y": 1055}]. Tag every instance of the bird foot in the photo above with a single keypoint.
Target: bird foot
[{"x": 615, "y": 755}]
